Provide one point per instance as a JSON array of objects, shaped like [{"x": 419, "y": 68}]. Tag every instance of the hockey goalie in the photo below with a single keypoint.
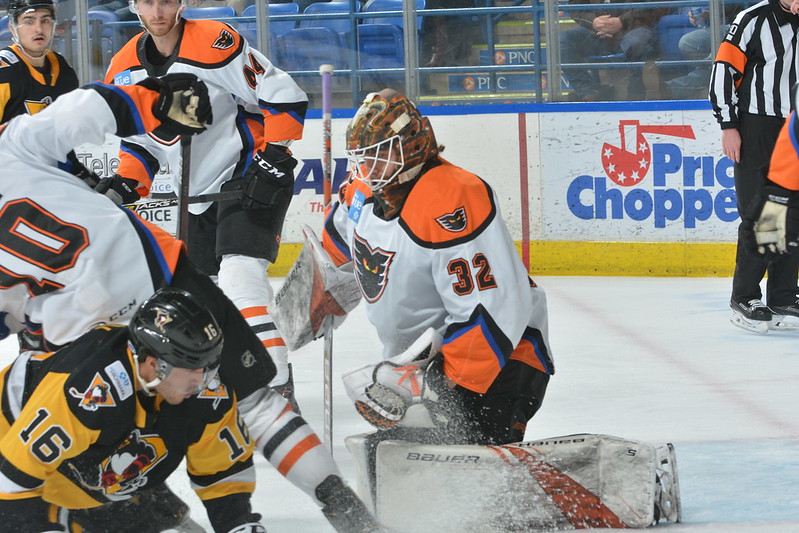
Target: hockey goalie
[{"x": 466, "y": 355}]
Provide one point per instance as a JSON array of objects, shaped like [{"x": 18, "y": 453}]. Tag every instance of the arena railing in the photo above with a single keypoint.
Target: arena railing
[{"x": 508, "y": 61}]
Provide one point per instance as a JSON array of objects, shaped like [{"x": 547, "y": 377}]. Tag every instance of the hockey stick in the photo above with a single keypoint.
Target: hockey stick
[
  {"x": 326, "y": 71},
  {"x": 215, "y": 197},
  {"x": 183, "y": 197}
]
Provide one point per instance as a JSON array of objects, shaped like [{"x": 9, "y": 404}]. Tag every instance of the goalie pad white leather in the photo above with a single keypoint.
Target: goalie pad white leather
[
  {"x": 315, "y": 296},
  {"x": 570, "y": 482}
]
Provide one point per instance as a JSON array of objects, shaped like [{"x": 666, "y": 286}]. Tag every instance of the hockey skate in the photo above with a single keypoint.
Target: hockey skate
[
  {"x": 785, "y": 317},
  {"x": 344, "y": 510},
  {"x": 667, "y": 496},
  {"x": 752, "y": 316}
]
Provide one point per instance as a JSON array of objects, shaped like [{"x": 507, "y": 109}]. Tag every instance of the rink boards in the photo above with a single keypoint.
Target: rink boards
[{"x": 586, "y": 189}]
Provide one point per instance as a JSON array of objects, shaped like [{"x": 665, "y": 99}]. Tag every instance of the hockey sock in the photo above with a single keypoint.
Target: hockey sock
[{"x": 243, "y": 279}]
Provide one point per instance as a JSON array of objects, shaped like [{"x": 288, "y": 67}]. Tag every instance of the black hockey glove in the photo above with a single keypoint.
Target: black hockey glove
[
  {"x": 183, "y": 106},
  {"x": 770, "y": 224},
  {"x": 121, "y": 190},
  {"x": 269, "y": 181},
  {"x": 79, "y": 170}
]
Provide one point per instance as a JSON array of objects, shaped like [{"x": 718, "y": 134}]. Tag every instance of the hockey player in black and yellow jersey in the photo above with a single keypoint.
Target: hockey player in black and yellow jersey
[
  {"x": 32, "y": 75},
  {"x": 118, "y": 410}
]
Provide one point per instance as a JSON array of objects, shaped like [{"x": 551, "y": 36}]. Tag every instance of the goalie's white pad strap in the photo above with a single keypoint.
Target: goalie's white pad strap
[
  {"x": 315, "y": 296},
  {"x": 570, "y": 482}
]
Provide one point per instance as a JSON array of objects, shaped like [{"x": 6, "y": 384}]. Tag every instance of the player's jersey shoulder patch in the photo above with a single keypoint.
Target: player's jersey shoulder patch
[
  {"x": 224, "y": 41},
  {"x": 8, "y": 58},
  {"x": 209, "y": 42},
  {"x": 446, "y": 206}
]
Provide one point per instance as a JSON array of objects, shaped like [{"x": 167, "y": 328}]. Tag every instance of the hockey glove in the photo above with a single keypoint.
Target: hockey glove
[
  {"x": 771, "y": 222},
  {"x": 269, "y": 181},
  {"x": 79, "y": 170},
  {"x": 183, "y": 105},
  {"x": 121, "y": 190},
  {"x": 394, "y": 389}
]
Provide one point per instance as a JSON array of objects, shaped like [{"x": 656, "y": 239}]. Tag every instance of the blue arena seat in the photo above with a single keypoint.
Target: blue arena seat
[
  {"x": 380, "y": 46},
  {"x": 212, "y": 12},
  {"x": 670, "y": 28},
  {"x": 276, "y": 27},
  {"x": 338, "y": 25},
  {"x": 307, "y": 48},
  {"x": 389, "y": 5}
]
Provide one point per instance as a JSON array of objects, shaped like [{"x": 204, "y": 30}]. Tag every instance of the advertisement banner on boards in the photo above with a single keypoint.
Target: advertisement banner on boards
[{"x": 635, "y": 176}]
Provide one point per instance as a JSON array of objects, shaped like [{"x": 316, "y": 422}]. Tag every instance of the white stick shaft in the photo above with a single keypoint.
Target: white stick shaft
[{"x": 326, "y": 71}]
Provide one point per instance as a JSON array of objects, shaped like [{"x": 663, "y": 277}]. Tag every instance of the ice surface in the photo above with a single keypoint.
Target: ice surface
[{"x": 652, "y": 359}]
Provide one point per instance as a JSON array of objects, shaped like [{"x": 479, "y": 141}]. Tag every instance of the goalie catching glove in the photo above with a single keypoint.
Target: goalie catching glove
[
  {"x": 771, "y": 222},
  {"x": 394, "y": 389},
  {"x": 384, "y": 393}
]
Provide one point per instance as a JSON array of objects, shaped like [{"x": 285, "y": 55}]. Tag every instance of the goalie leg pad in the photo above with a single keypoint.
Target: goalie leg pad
[{"x": 570, "y": 482}]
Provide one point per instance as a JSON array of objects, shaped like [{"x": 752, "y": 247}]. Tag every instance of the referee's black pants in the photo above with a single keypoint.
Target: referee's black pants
[{"x": 758, "y": 137}]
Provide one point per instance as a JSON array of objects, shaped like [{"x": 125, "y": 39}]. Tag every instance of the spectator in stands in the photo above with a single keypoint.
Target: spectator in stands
[
  {"x": 604, "y": 32},
  {"x": 448, "y": 40},
  {"x": 697, "y": 44}
]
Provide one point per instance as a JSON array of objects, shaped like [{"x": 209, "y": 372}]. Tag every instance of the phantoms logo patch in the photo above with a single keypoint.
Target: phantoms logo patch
[
  {"x": 224, "y": 41},
  {"x": 455, "y": 221},
  {"x": 371, "y": 268}
]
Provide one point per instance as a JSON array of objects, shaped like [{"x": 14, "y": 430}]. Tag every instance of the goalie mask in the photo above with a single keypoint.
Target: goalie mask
[
  {"x": 178, "y": 331},
  {"x": 387, "y": 138}
]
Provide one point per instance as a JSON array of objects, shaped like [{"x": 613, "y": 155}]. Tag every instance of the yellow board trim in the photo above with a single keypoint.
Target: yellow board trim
[
  {"x": 573, "y": 258},
  {"x": 676, "y": 259}
]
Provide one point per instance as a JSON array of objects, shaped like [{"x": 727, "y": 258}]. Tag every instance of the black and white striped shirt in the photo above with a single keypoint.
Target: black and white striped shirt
[{"x": 756, "y": 64}]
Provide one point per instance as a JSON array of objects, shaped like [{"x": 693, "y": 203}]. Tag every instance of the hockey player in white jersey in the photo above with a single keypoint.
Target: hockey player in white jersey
[
  {"x": 430, "y": 250},
  {"x": 70, "y": 259},
  {"x": 259, "y": 111}
]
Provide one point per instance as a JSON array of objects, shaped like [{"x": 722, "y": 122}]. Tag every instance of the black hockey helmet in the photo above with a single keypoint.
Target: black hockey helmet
[
  {"x": 173, "y": 326},
  {"x": 18, "y": 7}
]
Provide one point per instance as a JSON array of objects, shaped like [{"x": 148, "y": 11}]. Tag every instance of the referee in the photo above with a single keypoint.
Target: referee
[{"x": 750, "y": 90}]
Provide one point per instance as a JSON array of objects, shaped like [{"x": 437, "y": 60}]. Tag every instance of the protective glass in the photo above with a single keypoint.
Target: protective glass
[
  {"x": 149, "y": 6},
  {"x": 377, "y": 165}
]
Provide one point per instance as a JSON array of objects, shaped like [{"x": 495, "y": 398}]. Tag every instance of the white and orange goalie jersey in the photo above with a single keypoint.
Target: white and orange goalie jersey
[{"x": 447, "y": 262}]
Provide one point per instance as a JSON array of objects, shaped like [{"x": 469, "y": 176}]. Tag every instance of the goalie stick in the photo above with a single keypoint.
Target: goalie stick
[{"x": 326, "y": 71}]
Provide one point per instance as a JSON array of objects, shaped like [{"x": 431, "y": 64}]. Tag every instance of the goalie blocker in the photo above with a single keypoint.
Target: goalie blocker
[
  {"x": 315, "y": 296},
  {"x": 569, "y": 482}
]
